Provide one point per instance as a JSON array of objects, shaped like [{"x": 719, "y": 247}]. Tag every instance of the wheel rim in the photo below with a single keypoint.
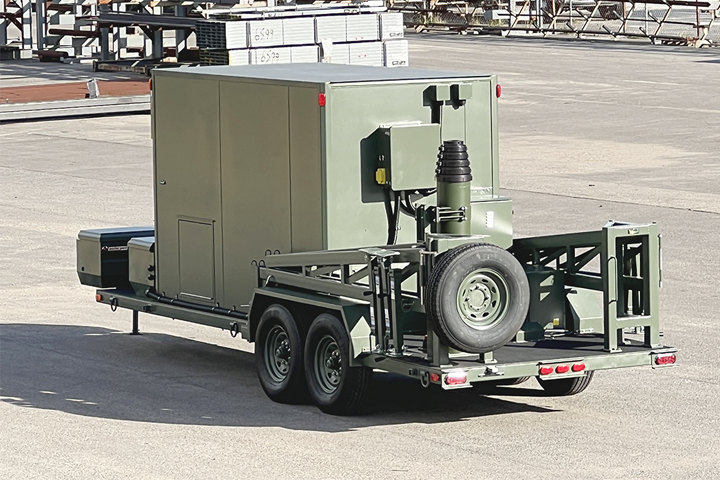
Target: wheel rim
[
  {"x": 277, "y": 353},
  {"x": 482, "y": 299},
  {"x": 328, "y": 364}
]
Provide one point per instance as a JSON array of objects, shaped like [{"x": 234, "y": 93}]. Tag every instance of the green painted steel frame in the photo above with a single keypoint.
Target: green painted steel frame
[
  {"x": 419, "y": 369},
  {"x": 629, "y": 278},
  {"x": 629, "y": 273},
  {"x": 340, "y": 273},
  {"x": 128, "y": 299}
]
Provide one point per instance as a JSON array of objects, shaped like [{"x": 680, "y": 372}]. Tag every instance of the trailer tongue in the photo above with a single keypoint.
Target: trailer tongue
[{"x": 271, "y": 182}]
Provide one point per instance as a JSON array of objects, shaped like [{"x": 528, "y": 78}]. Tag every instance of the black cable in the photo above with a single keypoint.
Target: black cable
[
  {"x": 195, "y": 306},
  {"x": 393, "y": 216},
  {"x": 389, "y": 215},
  {"x": 396, "y": 219},
  {"x": 406, "y": 206},
  {"x": 403, "y": 203}
]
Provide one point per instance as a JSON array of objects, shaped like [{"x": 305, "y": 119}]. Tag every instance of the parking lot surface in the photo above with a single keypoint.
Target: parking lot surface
[{"x": 590, "y": 131}]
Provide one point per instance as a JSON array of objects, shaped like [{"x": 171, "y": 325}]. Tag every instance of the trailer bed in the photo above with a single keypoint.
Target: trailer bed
[{"x": 514, "y": 360}]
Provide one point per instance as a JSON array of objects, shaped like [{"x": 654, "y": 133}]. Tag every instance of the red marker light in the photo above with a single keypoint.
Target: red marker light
[
  {"x": 546, "y": 370},
  {"x": 578, "y": 367},
  {"x": 562, "y": 368},
  {"x": 456, "y": 378},
  {"x": 498, "y": 90},
  {"x": 665, "y": 359},
  {"x": 434, "y": 377},
  {"x": 321, "y": 99}
]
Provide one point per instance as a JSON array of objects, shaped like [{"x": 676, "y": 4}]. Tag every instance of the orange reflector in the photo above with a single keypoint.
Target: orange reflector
[
  {"x": 578, "y": 367},
  {"x": 562, "y": 369},
  {"x": 98, "y": 297},
  {"x": 321, "y": 99},
  {"x": 435, "y": 377},
  {"x": 665, "y": 359},
  {"x": 546, "y": 370},
  {"x": 498, "y": 90},
  {"x": 456, "y": 378}
]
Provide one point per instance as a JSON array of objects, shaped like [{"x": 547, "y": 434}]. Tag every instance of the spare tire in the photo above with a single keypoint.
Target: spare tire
[{"x": 477, "y": 297}]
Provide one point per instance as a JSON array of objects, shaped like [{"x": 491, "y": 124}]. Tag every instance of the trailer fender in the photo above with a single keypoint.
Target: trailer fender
[{"x": 305, "y": 307}]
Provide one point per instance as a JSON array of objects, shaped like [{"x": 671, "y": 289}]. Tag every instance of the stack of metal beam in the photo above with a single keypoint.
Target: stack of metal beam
[{"x": 304, "y": 36}]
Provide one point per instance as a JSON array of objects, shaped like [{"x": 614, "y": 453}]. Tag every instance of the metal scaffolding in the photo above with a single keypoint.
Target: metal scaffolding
[{"x": 688, "y": 22}]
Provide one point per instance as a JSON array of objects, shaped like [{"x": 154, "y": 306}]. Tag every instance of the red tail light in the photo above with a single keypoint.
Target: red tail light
[
  {"x": 321, "y": 99},
  {"x": 562, "y": 368},
  {"x": 665, "y": 359},
  {"x": 578, "y": 367},
  {"x": 434, "y": 377},
  {"x": 456, "y": 378},
  {"x": 546, "y": 370}
]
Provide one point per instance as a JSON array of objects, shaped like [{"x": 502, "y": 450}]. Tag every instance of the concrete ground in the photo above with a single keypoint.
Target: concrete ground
[
  {"x": 589, "y": 132},
  {"x": 23, "y": 73}
]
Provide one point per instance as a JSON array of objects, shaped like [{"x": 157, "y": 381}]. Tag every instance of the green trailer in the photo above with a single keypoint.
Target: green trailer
[{"x": 348, "y": 219}]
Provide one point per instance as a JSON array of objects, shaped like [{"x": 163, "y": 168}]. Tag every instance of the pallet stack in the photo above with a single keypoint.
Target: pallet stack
[{"x": 373, "y": 38}]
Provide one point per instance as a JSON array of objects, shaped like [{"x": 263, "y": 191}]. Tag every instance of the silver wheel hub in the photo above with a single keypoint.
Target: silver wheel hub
[{"x": 482, "y": 298}]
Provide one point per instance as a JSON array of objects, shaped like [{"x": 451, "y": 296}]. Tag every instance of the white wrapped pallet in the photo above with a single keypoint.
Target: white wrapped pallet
[
  {"x": 265, "y": 33},
  {"x": 362, "y": 28},
  {"x": 236, "y": 35},
  {"x": 336, "y": 53},
  {"x": 298, "y": 31},
  {"x": 60, "y": 40},
  {"x": 330, "y": 27},
  {"x": 264, "y": 56},
  {"x": 396, "y": 53},
  {"x": 305, "y": 54},
  {"x": 86, "y": 51},
  {"x": 63, "y": 19},
  {"x": 366, "y": 53},
  {"x": 391, "y": 25},
  {"x": 238, "y": 57},
  {"x": 135, "y": 41}
]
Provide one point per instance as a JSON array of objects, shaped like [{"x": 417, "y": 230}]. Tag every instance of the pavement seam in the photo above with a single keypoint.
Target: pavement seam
[{"x": 695, "y": 210}]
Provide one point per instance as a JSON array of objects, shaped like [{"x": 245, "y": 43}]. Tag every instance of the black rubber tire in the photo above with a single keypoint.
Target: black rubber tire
[
  {"x": 351, "y": 393},
  {"x": 292, "y": 388},
  {"x": 566, "y": 386},
  {"x": 442, "y": 290},
  {"x": 507, "y": 382}
]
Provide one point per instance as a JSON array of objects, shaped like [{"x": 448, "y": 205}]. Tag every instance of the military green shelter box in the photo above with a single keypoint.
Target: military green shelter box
[{"x": 295, "y": 158}]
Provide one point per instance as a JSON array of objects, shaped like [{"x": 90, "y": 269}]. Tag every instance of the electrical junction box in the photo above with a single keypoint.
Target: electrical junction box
[
  {"x": 408, "y": 153},
  {"x": 259, "y": 159}
]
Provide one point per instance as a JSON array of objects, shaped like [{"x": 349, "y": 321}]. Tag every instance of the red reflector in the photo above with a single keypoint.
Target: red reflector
[
  {"x": 578, "y": 367},
  {"x": 562, "y": 369},
  {"x": 435, "y": 377},
  {"x": 498, "y": 90},
  {"x": 666, "y": 359},
  {"x": 546, "y": 370},
  {"x": 321, "y": 99},
  {"x": 456, "y": 378},
  {"x": 98, "y": 297}
]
